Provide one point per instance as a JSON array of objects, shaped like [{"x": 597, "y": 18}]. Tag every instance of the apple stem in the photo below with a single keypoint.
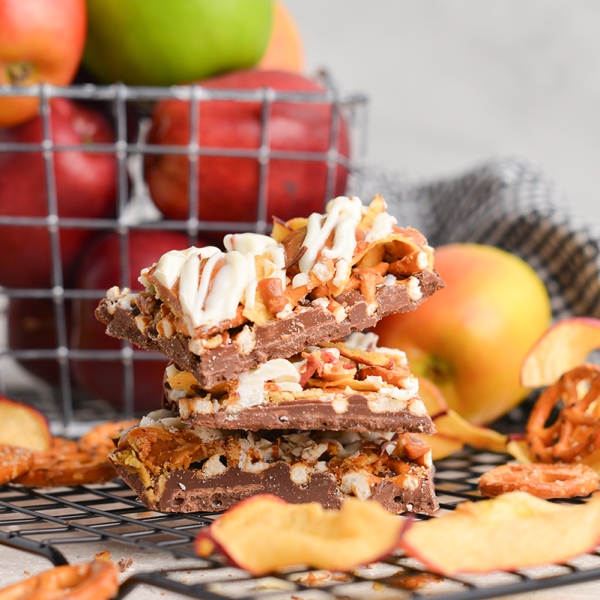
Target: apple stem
[
  {"x": 19, "y": 72},
  {"x": 438, "y": 370}
]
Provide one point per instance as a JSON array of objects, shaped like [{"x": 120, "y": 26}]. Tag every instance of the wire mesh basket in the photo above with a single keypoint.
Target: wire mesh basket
[{"x": 129, "y": 111}]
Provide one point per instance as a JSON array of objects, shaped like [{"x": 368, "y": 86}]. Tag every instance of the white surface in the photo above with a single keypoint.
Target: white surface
[{"x": 455, "y": 82}]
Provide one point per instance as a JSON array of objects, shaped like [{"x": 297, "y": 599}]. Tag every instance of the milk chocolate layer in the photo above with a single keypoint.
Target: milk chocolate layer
[
  {"x": 186, "y": 491},
  {"x": 308, "y": 325},
  {"x": 177, "y": 469},
  {"x": 309, "y": 415}
]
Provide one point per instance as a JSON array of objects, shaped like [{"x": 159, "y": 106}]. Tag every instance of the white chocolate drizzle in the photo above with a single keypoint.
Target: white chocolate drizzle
[
  {"x": 211, "y": 284},
  {"x": 342, "y": 217},
  {"x": 212, "y": 292}
]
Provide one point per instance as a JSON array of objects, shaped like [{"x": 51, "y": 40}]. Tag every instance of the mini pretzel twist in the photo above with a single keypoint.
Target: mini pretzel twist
[
  {"x": 65, "y": 464},
  {"x": 95, "y": 580},
  {"x": 576, "y": 432},
  {"x": 541, "y": 480}
]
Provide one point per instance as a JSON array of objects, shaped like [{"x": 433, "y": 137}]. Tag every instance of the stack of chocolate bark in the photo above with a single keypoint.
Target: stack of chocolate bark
[{"x": 271, "y": 386}]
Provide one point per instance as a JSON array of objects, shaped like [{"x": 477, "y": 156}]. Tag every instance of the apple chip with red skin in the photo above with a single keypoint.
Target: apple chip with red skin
[
  {"x": 23, "y": 426},
  {"x": 514, "y": 530},
  {"x": 562, "y": 347},
  {"x": 264, "y": 534}
]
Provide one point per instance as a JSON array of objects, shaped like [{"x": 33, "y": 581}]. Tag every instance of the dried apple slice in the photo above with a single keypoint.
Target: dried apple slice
[
  {"x": 441, "y": 446},
  {"x": 453, "y": 431},
  {"x": 264, "y": 534},
  {"x": 519, "y": 450},
  {"x": 454, "y": 426},
  {"x": 564, "y": 346},
  {"x": 512, "y": 531},
  {"x": 23, "y": 426},
  {"x": 432, "y": 397}
]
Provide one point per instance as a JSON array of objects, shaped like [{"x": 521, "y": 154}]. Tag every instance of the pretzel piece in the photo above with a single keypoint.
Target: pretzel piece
[
  {"x": 14, "y": 462},
  {"x": 100, "y": 441},
  {"x": 576, "y": 431},
  {"x": 95, "y": 580},
  {"x": 541, "y": 480},
  {"x": 65, "y": 464}
]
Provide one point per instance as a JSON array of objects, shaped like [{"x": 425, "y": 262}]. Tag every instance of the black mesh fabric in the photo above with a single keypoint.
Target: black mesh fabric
[{"x": 509, "y": 203}]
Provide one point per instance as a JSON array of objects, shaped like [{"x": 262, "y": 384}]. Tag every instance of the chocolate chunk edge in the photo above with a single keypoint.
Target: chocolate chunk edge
[
  {"x": 278, "y": 339},
  {"x": 183, "y": 491},
  {"x": 311, "y": 415}
]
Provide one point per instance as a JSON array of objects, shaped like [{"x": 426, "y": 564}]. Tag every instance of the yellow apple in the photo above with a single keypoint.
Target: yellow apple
[{"x": 471, "y": 337}]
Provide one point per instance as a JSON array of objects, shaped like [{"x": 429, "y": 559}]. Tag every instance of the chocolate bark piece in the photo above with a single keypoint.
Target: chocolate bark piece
[
  {"x": 317, "y": 414},
  {"x": 335, "y": 387},
  {"x": 242, "y": 348},
  {"x": 175, "y": 469}
]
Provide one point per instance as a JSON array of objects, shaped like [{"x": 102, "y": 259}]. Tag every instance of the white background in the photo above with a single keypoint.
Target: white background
[{"x": 452, "y": 83}]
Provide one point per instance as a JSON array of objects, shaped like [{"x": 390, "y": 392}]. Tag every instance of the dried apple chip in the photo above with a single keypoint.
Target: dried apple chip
[
  {"x": 509, "y": 532},
  {"x": 451, "y": 427},
  {"x": 264, "y": 534},
  {"x": 432, "y": 397},
  {"x": 441, "y": 446},
  {"x": 519, "y": 450},
  {"x": 23, "y": 426},
  {"x": 564, "y": 345},
  {"x": 454, "y": 426}
]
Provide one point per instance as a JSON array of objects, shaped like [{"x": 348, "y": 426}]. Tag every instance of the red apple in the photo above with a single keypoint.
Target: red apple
[
  {"x": 228, "y": 186},
  {"x": 31, "y": 324},
  {"x": 471, "y": 337},
  {"x": 85, "y": 187},
  {"x": 100, "y": 270},
  {"x": 41, "y": 42}
]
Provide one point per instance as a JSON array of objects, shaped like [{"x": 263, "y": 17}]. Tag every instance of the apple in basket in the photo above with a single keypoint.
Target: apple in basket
[
  {"x": 100, "y": 270},
  {"x": 85, "y": 188},
  {"x": 471, "y": 337},
  {"x": 228, "y": 186},
  {"x": 41, "y": 42},
  {"x": 31, "y": 325},
  {"x": 285, "y": 50},
  {"x": 141, "y": 42}
]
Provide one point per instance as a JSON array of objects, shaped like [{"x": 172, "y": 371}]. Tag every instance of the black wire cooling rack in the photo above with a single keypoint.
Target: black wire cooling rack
[{"x": 42, "y": 521}]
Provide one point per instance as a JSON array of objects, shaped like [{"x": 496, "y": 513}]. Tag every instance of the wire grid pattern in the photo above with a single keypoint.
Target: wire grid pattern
[
  {"x": 118, "y": 96},
  {"x": 43, "y": 520}
]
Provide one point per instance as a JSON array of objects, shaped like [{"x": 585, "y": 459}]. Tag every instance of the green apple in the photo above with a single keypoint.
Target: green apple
[
  {"x": 152, "y": 42},
  {"x": 471, "y": 337}
]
